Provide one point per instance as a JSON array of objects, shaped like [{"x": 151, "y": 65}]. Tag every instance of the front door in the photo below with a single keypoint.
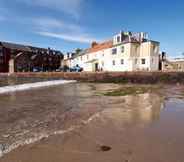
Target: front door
[{"x": 96, "y": 67}]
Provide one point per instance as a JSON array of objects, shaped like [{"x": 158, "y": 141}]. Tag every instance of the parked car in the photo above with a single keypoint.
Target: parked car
[
  {"x": 76, "y": 68},
  {"x": 65, "y": 68},
  {"x": 37, "y": 69}
]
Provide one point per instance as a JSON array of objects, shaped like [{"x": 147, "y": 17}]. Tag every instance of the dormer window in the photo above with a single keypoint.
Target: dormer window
[{"x": 114, "y": 51}]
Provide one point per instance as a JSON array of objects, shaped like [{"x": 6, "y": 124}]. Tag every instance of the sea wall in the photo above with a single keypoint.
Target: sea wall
[{"x": 109, "y": 77}]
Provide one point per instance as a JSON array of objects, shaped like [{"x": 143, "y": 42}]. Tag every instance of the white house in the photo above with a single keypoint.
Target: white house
[{"x": 127, "y": 51}]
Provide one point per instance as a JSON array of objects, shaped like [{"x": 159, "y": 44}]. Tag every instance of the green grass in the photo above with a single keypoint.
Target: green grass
[{"x": 133, "y": 90}]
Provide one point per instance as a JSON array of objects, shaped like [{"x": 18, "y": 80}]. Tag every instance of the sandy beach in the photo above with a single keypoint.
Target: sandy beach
[{"x": 76, "y": 123}]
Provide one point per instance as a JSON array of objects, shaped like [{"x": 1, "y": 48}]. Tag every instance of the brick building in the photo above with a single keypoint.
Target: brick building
[{"x": 21, "y": 58}]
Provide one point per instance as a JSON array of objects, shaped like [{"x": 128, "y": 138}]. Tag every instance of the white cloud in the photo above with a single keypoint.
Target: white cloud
[
  {"x": 59, "y": 29},
  {"x": 81, "y": 38},
  {"x": 50, "y": 23},
  {"x": 72, "y": 7}
]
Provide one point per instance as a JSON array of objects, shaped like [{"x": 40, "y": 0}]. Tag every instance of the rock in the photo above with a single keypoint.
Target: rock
[{"x": 105, "y": 148}]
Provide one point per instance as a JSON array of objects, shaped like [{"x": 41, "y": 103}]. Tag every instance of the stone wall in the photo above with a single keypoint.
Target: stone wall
[{"x": 114, "y": 77}]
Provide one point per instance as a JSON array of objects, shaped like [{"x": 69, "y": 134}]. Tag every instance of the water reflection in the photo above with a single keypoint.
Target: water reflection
[
  {"x": 39, "y": 113},
  {"x": 133, "y": 110},
  {"x": 129, "y": 125}
]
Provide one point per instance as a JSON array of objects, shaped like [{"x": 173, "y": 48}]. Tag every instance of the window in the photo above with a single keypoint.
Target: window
[
  {"x": 81, "y": 58},
  {"x": 102, "y": 63},
  {"x": 152, "y": 60},
  {"x": 143, "y": 61},
  {"x": 122, "y": 61},
  {"x": 136, "y": 61},
  {"x": 122, "y": 49},
  {"x": 155, "y": 48},
  {"x": 136, "y": 49},
  {"x": 1, "y": 61},
  {"x": 1, "y": 52},
  {"x": 87, "y": 57},
  {"x": 114, "y": 51},
  {"x": 113, "y": 62},
  {"x": 118, "y": 39}
]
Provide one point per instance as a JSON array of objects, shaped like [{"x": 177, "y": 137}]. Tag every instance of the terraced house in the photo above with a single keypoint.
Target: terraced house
[
  {"x": 22, "y": 58},
  {"x": 127, "y": 51}
]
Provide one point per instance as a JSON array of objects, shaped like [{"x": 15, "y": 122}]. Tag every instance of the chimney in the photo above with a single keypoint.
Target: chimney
[{"x": 93, "y": 44}]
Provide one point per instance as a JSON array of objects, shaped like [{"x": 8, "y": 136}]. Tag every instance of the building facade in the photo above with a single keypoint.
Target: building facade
[
  {"x": 176, "y": 64},
  {"x": 21, "y": 58},
  {"x": 127, "y": 51}
]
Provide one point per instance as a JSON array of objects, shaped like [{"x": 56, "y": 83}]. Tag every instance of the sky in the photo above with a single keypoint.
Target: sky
[{"x": 69, "y": 24}]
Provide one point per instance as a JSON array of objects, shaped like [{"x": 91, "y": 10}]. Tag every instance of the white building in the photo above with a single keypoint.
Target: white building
[{"x": 127, "y": 51}]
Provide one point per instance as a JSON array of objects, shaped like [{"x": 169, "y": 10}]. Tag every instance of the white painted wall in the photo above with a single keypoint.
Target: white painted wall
[{"x": 132, "y": 56}]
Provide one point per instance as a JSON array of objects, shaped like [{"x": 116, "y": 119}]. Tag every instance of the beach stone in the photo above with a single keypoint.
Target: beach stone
[{"x": 105, "y": 148}]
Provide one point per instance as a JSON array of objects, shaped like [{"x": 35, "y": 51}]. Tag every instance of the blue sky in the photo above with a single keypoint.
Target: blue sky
[{"x": 68, "y": 24}]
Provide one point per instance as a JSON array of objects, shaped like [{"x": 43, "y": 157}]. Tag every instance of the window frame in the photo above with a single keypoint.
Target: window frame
[
  {"x": 143, "y": 61},
  {"x": 113, "y": 62},
  {"x": 118, "y": 39},
  {"x": 122, "y": 49},
  {"x": 114, "y": 51}
]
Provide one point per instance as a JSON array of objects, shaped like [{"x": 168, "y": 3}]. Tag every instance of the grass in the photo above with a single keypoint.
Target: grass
[{"x": 131, "y": 90}]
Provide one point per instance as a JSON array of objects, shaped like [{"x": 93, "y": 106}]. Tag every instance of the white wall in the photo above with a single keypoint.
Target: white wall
[{"x": 131, "y": 52}]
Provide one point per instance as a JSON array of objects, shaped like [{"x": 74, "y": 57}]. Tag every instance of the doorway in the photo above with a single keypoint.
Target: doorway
[{"x": 96, "y": 67}]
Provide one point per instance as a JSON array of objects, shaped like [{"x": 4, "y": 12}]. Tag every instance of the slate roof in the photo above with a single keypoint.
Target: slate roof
[{"x": 15, "y": 46}]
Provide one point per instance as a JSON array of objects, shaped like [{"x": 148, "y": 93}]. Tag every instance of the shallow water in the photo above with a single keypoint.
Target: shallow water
[
  {"x": 9, "y": 81},
  {"x": 72, "y": 122}
]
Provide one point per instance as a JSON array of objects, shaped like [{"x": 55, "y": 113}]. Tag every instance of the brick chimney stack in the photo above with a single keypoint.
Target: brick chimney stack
[{"x": 93, "y": 44}]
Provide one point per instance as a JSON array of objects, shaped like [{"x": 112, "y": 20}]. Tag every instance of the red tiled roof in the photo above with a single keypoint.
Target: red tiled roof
[{"x": 101, "y": 46}]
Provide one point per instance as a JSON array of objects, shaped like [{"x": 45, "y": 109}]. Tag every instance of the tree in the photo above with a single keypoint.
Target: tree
[{"x": 78, "y": 50}]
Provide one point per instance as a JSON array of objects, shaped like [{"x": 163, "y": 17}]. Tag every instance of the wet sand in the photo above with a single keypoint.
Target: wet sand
[{"x": 71, "y": 123}]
